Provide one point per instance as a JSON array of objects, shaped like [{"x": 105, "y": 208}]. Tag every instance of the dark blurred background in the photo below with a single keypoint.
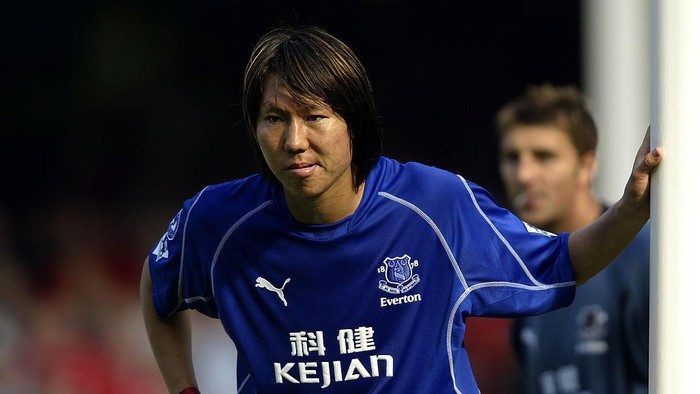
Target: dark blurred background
[{"x": 114, "y": 113}]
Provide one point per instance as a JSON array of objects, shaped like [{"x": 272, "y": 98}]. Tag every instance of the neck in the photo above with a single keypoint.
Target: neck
[
  {"x": 325, "y": 209},
  {"x": 583, "y": 212}
]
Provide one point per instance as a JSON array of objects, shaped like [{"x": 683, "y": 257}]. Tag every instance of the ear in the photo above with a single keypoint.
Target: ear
[{"x": 589, "y": 166}]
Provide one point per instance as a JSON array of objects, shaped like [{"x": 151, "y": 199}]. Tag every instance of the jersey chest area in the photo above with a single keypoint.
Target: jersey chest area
[
  {"x": 385, "y": 256},
  {"x": 346, "y": 308},
  {"x": 315, "y": 280}
]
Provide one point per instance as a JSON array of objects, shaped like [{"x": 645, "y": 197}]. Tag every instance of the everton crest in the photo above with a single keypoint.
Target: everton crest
[{"x": 398, "y": 274}]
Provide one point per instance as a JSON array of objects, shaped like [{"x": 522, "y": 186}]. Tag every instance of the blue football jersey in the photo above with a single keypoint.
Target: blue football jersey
[
  {"x": 600, "y": 343},
  {"x": 373, "y": 303}
]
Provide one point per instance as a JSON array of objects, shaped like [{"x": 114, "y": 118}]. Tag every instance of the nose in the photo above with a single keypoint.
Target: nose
[
  {"x": 524, "y": 169},
  {"x": 295, "y": 139}
]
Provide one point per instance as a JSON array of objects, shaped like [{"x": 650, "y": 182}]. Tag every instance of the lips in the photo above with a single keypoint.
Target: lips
[
  {"x": 301, "y": 169},
  {"x": 524, "y": 201}
]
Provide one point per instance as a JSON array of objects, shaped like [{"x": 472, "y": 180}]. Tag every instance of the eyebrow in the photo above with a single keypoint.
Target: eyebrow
[
  {"x": 272, "y": 106},
  {"x": 306, "y": 105},
  {"x": 268, "y": 105}
]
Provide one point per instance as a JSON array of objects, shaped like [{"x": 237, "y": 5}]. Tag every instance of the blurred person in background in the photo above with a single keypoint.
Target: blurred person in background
[{"x": 599, "y": 344}]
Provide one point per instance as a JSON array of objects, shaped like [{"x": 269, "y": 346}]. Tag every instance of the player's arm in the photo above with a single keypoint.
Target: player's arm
[
  {"x": 593, "y": 247},
  {"x": 170, "y": 340}
]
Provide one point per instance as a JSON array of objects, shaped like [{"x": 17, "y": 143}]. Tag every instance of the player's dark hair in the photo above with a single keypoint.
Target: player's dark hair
[
  {"x": 563, "y": 107},
  {"x": 312, "y": 64}
]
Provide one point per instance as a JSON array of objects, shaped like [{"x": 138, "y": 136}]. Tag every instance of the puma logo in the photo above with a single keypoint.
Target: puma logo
[{"x": 265, "y": 284}]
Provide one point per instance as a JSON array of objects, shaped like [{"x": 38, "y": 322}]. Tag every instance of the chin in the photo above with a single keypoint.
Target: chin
[
  {"x": 302, "y": 191},
  {"x": 533, "y": 219}
]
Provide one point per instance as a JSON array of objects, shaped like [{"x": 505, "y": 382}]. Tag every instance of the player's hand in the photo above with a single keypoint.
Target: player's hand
[{"x": 636, "y": 195}]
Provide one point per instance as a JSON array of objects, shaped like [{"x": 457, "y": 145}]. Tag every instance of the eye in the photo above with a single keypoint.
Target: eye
[
  {"x": 544, "y": 156},
  {"x": 272, "y": 119},
  {"x": 510, "y": 157},
  {"x": 314, "y": 118}
]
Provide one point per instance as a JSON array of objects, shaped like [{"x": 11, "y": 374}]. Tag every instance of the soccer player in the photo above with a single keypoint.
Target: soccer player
[
  {"x": 599, "y": 344},
  {"x": 336, "y": 269}
]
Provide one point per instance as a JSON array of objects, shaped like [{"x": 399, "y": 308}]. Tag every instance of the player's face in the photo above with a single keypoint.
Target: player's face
[
  {"x": 543, "y": 174},
  {"x": 306, "y": 145}
]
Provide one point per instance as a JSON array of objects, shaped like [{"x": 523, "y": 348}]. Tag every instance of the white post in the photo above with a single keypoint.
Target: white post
[
  {"x": 615, "y": 55},
  {"x": 675, "y": 264}
]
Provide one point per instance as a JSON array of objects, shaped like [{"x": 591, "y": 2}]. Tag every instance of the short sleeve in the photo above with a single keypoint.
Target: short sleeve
[
  {"x": 179, "y": 267},
  {"x": 518, "y": 269}
]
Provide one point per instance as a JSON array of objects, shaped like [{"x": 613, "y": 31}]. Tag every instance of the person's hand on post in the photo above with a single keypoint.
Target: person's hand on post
[{"x": 636, "y": 194}]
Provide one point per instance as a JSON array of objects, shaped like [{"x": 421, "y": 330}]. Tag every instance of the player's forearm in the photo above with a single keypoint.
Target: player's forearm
[
  {"x": 170, "y": 341},
  {"x": 593, "y": 247}
]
